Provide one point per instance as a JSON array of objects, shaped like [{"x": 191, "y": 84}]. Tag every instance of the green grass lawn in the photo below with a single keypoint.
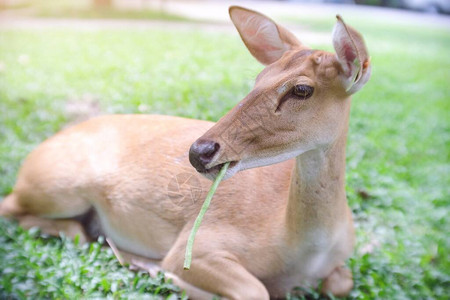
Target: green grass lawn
[
  {"x": 84, "y": 9},
  {"x": 398, "y": 148}
]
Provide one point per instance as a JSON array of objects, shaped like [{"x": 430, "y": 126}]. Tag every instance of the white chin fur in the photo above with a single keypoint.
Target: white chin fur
[
  {"x": 266, "y": 161},
  {"x": 255, "y": 163}
]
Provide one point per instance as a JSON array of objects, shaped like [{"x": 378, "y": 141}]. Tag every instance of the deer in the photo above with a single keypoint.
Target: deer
[{"x": 279, "y": 220}]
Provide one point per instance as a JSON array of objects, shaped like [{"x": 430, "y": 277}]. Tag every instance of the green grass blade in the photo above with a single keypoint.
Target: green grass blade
[{"x": 198, "y": 220}]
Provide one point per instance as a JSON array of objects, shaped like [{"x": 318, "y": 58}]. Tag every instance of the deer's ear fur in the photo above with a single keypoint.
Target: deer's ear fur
[
  {"x": 352, "y": 54},
  {"x": 265, "y": 40}
]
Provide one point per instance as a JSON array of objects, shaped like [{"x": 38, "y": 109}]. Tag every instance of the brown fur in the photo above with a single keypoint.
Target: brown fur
[{"x": 268, "y": 229}]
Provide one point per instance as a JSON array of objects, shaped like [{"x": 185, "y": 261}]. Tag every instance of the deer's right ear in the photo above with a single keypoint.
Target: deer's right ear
[
  {"x": 352, "y": 55},
  {"x": 265, "y": 40}
]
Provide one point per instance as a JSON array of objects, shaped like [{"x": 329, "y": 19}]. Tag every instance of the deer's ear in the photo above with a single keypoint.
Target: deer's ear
[
  {"x": 265, "y": 40},
  {"x": 352, "y": 55}
]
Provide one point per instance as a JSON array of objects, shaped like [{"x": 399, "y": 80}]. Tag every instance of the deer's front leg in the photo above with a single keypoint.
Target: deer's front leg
[
  {"x": 213, "y": 272},
  {"x": 339, "y": 282}
]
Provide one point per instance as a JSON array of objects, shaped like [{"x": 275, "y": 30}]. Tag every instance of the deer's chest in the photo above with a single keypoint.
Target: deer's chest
[{"x": 313, "y": 259}]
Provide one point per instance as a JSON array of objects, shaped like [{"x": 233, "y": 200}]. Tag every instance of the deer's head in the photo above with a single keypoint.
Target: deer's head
[{"x": 300, "y": 100}]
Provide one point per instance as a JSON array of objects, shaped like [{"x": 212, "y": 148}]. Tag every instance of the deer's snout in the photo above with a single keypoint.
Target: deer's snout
[{"x": 201, "y": 154}]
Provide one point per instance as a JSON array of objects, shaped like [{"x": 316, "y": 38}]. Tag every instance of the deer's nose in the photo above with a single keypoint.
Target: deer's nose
[{"x": 201, "y": 154}]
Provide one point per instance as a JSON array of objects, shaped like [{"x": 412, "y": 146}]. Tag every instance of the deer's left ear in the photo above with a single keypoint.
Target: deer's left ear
[
  {"x": 352, "y": 55},
  {"x": 266, "y": 40}
]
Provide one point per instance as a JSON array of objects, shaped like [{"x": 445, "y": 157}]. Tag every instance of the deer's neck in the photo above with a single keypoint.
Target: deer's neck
[{"x": 317, "y": 199}]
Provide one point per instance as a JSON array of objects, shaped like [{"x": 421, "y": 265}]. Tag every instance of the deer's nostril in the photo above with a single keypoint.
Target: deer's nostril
[
  {"x": 201, "y": 153},
  {"x": 208, "y": 150}
]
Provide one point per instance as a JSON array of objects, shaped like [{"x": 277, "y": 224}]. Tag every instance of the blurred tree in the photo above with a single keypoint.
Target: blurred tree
[
  {"x": 102, "y": 3},
  {"x": 386, "y": 3}
]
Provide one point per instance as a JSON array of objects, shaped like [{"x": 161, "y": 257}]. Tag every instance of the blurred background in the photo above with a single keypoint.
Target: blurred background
[
  {"x": 429, "y": 6},
  {"x": 65, "y": 61}
]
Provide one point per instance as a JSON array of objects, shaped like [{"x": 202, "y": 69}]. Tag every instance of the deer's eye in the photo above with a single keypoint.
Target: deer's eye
[
  {"x": 302, "y": 91},
  {"x": 299, "y": 92}
]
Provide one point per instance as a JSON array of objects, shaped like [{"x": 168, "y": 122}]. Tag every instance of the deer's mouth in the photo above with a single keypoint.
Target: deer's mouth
[{"x": 211, "y": 173}]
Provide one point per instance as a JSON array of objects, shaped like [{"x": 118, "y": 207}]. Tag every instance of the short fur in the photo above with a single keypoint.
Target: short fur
[{"x": 268, "y": 229}]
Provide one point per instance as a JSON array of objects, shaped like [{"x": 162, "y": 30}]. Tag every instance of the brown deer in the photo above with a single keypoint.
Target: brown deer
[{"x": 281, "y": 218}]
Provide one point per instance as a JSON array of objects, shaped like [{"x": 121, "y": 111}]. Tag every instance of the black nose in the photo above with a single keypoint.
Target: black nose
[{"x": 201, "y": 154}]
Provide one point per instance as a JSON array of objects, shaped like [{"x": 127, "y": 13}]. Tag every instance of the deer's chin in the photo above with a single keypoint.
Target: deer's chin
[
  {"x": 212, "y": 172},
  {"x": 273, "y": 158}
]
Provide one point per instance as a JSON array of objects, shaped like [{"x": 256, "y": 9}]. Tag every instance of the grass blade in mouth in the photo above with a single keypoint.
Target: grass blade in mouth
[{"x": 198, "y": 220}]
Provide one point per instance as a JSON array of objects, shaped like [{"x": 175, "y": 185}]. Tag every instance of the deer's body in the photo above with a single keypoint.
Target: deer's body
[{"x": 268, "y": 229}]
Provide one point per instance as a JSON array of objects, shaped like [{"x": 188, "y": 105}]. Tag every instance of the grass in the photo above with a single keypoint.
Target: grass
[
  {"x": 47, "y": 268},
  {"x": 84, "y": 9},
  {"x": 398, "y": 148}
]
